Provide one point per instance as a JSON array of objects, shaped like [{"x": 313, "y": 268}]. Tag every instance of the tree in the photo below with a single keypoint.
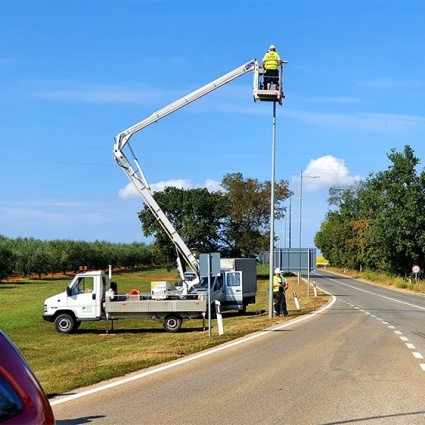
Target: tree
[
  {"x": 245, "y": 229},
  {"x": 342, "y": 237},
  {"x": 379, "y": 223},
  {"x": 394, "y": 202},
  {"x": 7, "y": 259},
  {"x": 195, "y": 214},
  {"x": 24, "y": 250},
  {"x": 234, "y": 221}
]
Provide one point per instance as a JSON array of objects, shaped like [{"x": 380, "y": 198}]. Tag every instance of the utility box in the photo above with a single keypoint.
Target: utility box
[{"x": 159, "y": 289}]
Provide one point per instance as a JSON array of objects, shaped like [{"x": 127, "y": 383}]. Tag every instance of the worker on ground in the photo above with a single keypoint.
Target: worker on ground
[
  {"x": 280, "y": 285},
  {"x": 271, "y": 63}
]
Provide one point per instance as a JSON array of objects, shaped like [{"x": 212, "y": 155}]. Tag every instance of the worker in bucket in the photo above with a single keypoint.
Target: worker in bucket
[
  {"x": 280, "y": 285},
  {"x": 271, "y": 63}
]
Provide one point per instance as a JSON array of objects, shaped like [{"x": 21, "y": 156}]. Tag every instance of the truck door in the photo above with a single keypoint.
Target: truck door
[
  {"x": 82, "y": 297},
  {"x": 234, "y": 294},
  {"x": 217, "y": 292}
]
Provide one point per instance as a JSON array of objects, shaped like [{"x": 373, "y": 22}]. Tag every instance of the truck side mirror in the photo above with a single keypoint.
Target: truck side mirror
[{"x": 68, "y": 291}]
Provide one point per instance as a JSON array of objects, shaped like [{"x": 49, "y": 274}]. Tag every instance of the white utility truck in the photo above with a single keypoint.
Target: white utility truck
[
  {"x": 185, "y": 259},
  {"x": 86, "y": 298}
]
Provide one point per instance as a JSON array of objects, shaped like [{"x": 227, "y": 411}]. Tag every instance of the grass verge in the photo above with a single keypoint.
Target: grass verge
[
  {"x": 65, "y": 362},
  {"x": 383, "y": 279}
]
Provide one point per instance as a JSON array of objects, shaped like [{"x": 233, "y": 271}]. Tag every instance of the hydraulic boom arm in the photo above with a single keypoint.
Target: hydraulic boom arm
[
  {"x": 122, "y": 138},
  {"x": 135, "y": 173}
]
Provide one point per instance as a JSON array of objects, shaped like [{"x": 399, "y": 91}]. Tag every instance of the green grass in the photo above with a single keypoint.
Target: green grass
[
  {"x": 383, "y": 279},
  {"x": 65, "y": 362}
]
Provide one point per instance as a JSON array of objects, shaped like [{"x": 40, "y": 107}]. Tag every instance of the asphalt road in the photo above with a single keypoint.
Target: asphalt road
[{"x": 359, "y": 361}]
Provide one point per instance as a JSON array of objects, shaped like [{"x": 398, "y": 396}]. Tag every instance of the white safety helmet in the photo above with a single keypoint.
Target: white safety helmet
[
  {"x": 277, "y": 270},
  {"x": 272, "y": 47}
]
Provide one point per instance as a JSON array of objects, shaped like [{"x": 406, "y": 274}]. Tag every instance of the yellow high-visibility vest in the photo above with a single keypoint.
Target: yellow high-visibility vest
[
  {"x": 271, "y": 60},
  {"x": 276, "y": 283}
]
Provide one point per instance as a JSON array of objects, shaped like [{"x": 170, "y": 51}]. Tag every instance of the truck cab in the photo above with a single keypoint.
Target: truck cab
[
  {"x": 236, "y": 285},
  {"x": 82, "y": 299},
  {"x": 229, "y": 288}
]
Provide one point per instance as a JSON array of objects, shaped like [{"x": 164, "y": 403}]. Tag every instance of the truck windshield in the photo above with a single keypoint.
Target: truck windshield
[
  {"x": 82, "y": 284},
  {"x": 216, "y": 283}
]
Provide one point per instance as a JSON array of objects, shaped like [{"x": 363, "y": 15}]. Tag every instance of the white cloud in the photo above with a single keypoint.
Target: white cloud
[
  {"x": 24, "y": 216},
  {"x": 343, "y": 99},
  {"x": 130, "y": 191},
  {"x": 379, "y": 122},
  {"x": 179, "y": 183},
  {"x": 325, "y": 172},
  {"x": 391, "y": 83},
  {"x": 97, "y": 94},
  {"x": 58, "y": 90},
  {"x": 5, "y": 61},
  {"x": 212, "y": 185}
]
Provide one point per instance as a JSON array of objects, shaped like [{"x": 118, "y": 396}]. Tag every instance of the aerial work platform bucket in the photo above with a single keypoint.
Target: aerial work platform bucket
[{"x": 260, "y": 90}]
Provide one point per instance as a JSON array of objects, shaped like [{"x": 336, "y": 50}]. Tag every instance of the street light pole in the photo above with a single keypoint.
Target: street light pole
[
  {"x": 290, "y": 222},
  {"x": 301, "y": 203},
  {"x": 271, "y": 259},
  {"x": 301, "y": 208}
]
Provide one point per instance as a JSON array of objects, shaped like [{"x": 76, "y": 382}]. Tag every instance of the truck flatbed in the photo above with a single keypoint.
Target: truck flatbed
[{"x": 118, "y": 309}]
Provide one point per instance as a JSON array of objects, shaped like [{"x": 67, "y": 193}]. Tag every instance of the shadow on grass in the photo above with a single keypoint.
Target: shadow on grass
[
  {"x": 35, "y": 281},
  {"x": 136, "y": 331}
]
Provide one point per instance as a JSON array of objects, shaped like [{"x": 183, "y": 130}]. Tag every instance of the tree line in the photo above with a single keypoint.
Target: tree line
[
  {"x": 378, "y": 223},
  {"x": 27, "y": 256}
]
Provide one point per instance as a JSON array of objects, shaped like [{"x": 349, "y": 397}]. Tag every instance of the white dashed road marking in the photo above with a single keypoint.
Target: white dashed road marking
[{"x": 415, "y": 354}]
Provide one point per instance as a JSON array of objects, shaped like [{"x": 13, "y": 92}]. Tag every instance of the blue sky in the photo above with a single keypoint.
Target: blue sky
[{"x": 73, "y": 74}]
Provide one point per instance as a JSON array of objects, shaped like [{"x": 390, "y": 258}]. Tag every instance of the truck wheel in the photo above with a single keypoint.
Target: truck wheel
[
  {"x": 65, "y": 323},
  {"x": 172, "y": 323},
  {"x": 243, "y": 311},
  {"x": 213, "y": 312}
]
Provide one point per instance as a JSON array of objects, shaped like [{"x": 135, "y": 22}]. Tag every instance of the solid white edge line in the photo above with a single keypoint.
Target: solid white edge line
[
  {"x": 194, "y": 357},
  {"x": 377, "y": 295}
]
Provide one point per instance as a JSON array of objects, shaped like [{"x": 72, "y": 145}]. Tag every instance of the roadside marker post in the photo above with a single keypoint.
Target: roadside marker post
[
  {"x": 297, "y": 304},
  {"x": 219, "y": 317},
  {"x": 315, "y": 288}
]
